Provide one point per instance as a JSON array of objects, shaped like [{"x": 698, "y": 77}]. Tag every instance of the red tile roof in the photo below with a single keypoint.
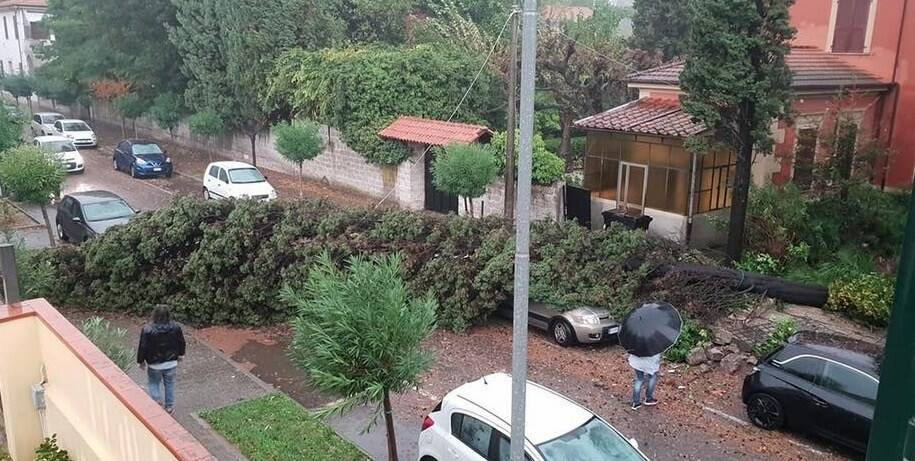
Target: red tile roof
[
  {"x": 812, "y": 69},
  {"x": 432, "y": 132},
  {"x": 662, "y": 117}
]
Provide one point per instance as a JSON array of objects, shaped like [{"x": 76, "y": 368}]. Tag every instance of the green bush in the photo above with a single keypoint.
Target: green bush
[
  {"x": 49, "y": 451},
  {"x": 777, "y": 338},
  {"x": 691, "y": 335},
  {"x": 547, "y": 166},
  {"x": 867, "y": 297},
  {"x": 844, "y": 264},
  {"x": 111, "y": 340},
  {"x": 224, "y": 261},
  {"x": 464, "y": 171},
  {"x": 760, "y": 263}
]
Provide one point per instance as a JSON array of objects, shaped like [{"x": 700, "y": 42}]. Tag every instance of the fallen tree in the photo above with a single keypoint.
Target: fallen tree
[{"x": 772, "y": 287}]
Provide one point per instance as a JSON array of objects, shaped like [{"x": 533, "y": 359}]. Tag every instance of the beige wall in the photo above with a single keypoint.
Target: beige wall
[
  {"x": 97, "y": 411},
  {"x": 546, "y": 202}
]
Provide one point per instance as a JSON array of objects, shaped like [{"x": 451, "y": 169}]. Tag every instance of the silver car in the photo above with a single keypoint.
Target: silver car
[{"x": 586, "y": 325}]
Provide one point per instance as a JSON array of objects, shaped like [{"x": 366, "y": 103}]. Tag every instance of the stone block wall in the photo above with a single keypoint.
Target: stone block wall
[{"x": 547, "y": 202}]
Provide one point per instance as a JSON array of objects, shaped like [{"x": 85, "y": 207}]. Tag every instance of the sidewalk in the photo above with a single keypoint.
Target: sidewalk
[{"x": 207, "y": 380}]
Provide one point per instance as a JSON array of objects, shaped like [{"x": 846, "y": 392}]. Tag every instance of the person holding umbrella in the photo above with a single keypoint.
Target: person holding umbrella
[{"x": 646, "y": 334}]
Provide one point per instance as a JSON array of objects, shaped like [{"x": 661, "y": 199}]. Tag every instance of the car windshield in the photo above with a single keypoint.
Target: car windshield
[
  {"x": 49, "y": 119},
  {"x": 594, "y": 440},
  {"x": 76, "y": 126},
  {"x": 245, "y": 176},
  {"x": 103, "y": 211},
  {"x": 145, "y": 149},
  {"x": 56, "y": 147}
]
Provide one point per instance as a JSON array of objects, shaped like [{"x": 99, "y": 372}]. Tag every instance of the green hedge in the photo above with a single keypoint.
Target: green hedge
[
  {"x": 224, "y": 262},
  {"x": 866, "y": 297}
]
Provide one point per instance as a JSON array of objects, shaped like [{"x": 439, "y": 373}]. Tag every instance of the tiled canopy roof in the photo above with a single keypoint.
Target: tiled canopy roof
[
  {"x": 432, "y": 132},
  {"x": 812, "y": 69},
  {"x": 662, "y": 117}
]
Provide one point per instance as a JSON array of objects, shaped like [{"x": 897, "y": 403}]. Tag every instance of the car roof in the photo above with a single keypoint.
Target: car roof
[
  {"x": 549, "y": 414},
  {"x": 231, "y": 165},
  {"x": 52, "y": 138},
  {"x": 48, "y": 113},
  {"x": 859, "y": 354},
  {"x": 71, "y": 120},
  {"x": 95, "y": 196},
  {"x": 139, "y": 141}
]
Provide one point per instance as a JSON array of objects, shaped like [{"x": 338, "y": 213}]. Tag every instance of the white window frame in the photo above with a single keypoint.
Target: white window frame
[
  {"x": 868, "y": 36},
  {"x": 623, "y": 188}
]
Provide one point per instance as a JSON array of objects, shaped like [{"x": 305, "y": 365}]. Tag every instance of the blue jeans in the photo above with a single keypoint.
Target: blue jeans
[
  {"x": 166, "y": 377},
  {"x": 641, "y": 377}
]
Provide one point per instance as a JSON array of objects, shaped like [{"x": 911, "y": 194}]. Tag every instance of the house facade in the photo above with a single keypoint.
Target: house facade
[
  {"x": 22, "y": 32},
  {"x": 845, "y": 62}
]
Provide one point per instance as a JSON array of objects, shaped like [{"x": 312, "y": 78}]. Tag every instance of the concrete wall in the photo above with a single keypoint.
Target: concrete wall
[
  {"x": 339, "y": 165},
  {"x": 547, "y": 202},
  {"x": 667, "y": 225},
  {"x": 97, "y": 412}
]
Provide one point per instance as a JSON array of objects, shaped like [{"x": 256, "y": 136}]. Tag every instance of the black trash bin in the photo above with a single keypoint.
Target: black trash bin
[{"x": 626, "y": 220}]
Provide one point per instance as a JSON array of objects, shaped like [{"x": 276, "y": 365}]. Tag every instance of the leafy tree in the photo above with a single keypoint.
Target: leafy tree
[
  {"x": 20, "y": 86},
  {"x": 661, "y": 25},
  {"x": 131, "y": 106},
  {"x": 737, "y": 82},
  {"x": 464, "y": 171},
  {"x": 206, "y": 124},
  {"x": 10, "y": 129},
  {"x": 167, "y": 110},
  {"x": 32, "y": 176},
  {"x": 583, "y": 64},
  {"x": 298, "y": 141},
  {"x": 331, "y": 86},
  {"x": 358, "y": 333},
  {"x": 547, "y": 167}
]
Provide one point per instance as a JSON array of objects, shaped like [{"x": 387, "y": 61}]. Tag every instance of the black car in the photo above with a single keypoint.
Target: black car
[
  {"x": 142, "y": 158},
  {"x": 84, "y": 215},
  {"x": 819, "y": 383}
]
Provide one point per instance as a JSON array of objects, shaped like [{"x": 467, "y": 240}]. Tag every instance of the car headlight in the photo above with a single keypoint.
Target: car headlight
[
  {"x": 589, "y": 319},
  {"x": 168, "y": 160},
  {"x": 140, "y": 161}
]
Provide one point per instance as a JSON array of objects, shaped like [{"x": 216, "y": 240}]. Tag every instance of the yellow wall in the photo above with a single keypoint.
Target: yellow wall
[{"x": 89, "y": 420}]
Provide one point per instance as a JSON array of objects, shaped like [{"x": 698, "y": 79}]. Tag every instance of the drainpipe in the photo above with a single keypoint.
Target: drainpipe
[
  {"x": 692, "y": 199},
  {"x": 886, "y": 167}
]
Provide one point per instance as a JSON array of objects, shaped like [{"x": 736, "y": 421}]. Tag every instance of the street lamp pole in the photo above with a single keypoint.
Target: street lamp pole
[
  {"x": 523, "y": 228},
  {"x": 895, "y": 404}
]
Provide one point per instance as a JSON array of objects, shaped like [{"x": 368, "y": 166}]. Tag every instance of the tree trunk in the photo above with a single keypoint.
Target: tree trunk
[
  {"x": 389, "y": 424},
  {"x": 134, "y": 123},
  {"x": 302, "y": 181},
  {"x": 123, "y": 127},
  {"x": 565, "y": 146},
  {"x": 738, "y": 223},
  {"x": 47, "y": 225},
  {"x": 54, "y": 104},
  {"x": 253, "y": 137}
]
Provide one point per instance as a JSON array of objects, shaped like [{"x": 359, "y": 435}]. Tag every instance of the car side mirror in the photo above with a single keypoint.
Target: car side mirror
[{"x": 634, "y": 443}]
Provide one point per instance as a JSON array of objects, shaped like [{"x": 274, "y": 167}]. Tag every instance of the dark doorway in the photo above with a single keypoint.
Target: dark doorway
[
  {"x": 578, "y": 205},
  {"x": 804, "y": 156},
  {"x": 437, "y": 200}
]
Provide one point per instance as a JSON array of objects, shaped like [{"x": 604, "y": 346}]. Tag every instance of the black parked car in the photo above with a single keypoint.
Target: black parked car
[
  {"x": 819, "y": 383},
  {"x": 84, "y": 215}
]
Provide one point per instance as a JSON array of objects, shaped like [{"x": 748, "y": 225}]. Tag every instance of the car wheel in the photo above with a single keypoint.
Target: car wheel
[
  {"x": 206, "y": 194},
  {"x": 765, "y": 411},
  {"x": 114, "y": 163},
  {"x": 133, "y": 171},
  {"x": 563, "y": 333},
  {"x": 61, "y": 234}
]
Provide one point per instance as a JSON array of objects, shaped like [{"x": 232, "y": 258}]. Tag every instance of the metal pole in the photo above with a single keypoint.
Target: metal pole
[
  {"x": 895, "y": 405},
  {"x": 509, "y": 211},
  {"x": 9, "y": 273},
  {"x": 523, "y": 229}
]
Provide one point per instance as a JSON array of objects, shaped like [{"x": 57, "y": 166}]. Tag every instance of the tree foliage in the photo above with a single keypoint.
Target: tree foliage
[
  {"x": 464, "y": 171},
  {"x": 547, "y": 166},
  {"x": 206, "y": 123},
  {"x": 20, "y": 86},
  {"x": 361, "y": 90},
  {"x": 33, "y": 176},
  {"x": 661, "y": 25},
  {"x": 167, "y": 110},
  {"x": 298, "y": 141},
  {"x": 10, "y": 129},
  {"x": 737, "y": 82},
  {"x": 359, "y": 333}
]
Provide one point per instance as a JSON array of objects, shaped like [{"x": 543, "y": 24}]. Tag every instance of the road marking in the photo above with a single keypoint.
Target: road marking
[
  {"x": 807, "y": 447},
  {"x": 725, "y": 415}
]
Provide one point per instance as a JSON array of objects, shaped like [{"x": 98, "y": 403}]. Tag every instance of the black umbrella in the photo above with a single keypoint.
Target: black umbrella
[{"x": 651, "y": 329}]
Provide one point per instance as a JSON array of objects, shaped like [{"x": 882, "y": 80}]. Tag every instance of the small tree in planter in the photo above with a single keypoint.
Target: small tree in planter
[
  {"x": 465, "y": 171},
  {"x": 131, "y": 106},
  {"x": 32, "y": 176},
  {"x": 166, "y": 110},
  {"x": 358, "y": 334},
  {"x": 298, "y": 141},
  {"x": 207, "y": 124}
]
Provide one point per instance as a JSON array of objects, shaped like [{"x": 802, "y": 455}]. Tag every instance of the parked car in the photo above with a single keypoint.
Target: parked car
[
  {"x": 64, "y": 150},
  {"x": 142, "y": 158},
  {"x": 472, "y": 423},
  {"x": 236, "y": 180},
  {"x": 819, "y": 383},
  {"x": 43, "y": 123},
  {"x": 85, "y": 215},
  {"x": 13, "y": 110},
  {"x": 585, "y": 325},
  {"x": 77, "y": 130}
]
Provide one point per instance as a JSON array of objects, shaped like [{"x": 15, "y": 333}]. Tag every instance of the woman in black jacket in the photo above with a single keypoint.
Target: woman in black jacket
[{"x": 161, "y": 347}]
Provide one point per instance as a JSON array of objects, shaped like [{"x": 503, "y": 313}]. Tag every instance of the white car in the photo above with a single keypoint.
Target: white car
[
  {"x": 236, "y": 180},
  {"x": 43, "y": 123},
  {"x": 77, "y": 130},
  {"x": 64, "y": 150},
  {"x": 472, "y": 423}
]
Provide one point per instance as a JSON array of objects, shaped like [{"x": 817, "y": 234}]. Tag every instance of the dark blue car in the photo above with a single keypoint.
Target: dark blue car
[{"x": 142, "y": 158}]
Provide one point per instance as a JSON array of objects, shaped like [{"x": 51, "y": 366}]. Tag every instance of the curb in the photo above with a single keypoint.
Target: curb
[
  {"x": 218, "y": 438},
  {"x": 37, "y": 225}
]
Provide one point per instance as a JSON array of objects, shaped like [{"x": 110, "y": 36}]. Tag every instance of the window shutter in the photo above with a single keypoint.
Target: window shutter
[{"x": 850, "y": 30}]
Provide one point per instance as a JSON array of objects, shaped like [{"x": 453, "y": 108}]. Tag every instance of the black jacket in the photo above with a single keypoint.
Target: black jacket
[{"x": 160, "y": 342}]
